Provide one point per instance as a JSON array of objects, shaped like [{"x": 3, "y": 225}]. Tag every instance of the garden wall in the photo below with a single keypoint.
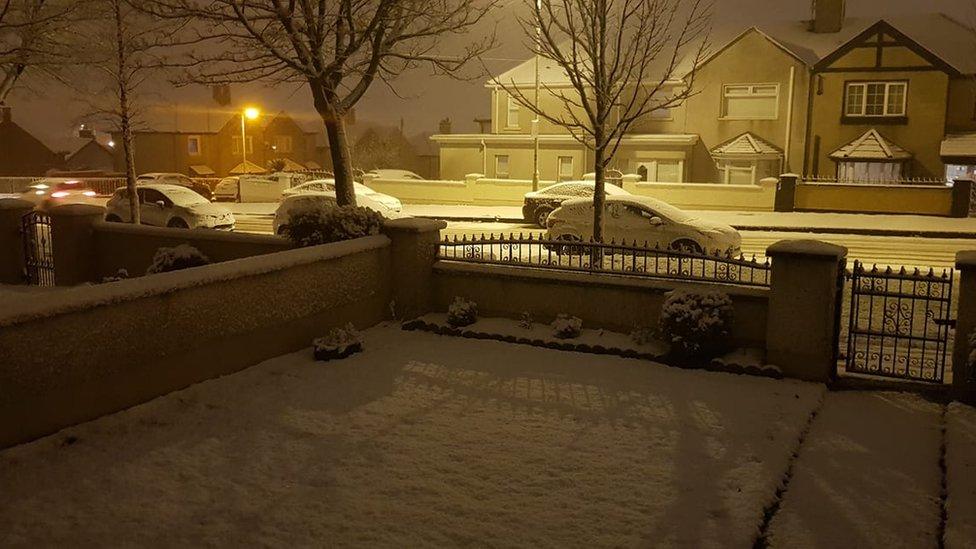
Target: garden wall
[
  {"x": 603, "y": 301},
  {"x": 78, "y": 353},
  {"x": 708, "y": 196}
]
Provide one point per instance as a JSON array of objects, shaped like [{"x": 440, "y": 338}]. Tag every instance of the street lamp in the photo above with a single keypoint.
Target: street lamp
[
  {"x": 535, "y": 121},
  {"x": 249, "y": 113}
]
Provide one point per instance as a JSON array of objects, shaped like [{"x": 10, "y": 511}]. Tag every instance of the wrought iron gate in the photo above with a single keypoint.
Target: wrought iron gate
[
  {"x": 899, "y": 323},
  {"x": 38, "y": 249}
]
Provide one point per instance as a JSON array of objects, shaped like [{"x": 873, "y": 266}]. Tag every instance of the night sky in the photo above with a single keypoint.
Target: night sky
[{"x": 427, "y": 100}]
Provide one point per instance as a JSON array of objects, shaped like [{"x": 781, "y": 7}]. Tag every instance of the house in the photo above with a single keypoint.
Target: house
[
  {"x": 857, "y": 99},
  {"x": 96, "y": 153},
  {"x": 209, "y": 143},
  {"x": 22, "y": 154}
]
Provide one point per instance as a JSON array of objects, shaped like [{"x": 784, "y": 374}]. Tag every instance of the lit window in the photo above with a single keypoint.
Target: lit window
[
  {"x": 750, "y": 101},
  {"x": 875, "y": 98},
  {"x": 512, "y": 120},
  {"x": 193, "y": 145},
  {"x": 661, "y": 171},
  {"x": 501, "y": 166},
  {"x": 565, "y": 168},
  {"x": 237, "y": 144},
  {"x": 869, "y": 172}
]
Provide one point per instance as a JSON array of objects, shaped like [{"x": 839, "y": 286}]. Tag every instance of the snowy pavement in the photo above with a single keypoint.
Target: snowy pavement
[
  {"x": 421, "y": 440},
  {"x": 961, "y": 475}
]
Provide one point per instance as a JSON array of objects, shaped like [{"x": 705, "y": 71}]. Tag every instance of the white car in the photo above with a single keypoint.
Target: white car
[
  {"x": 328, "y": 186},
  {"x": 170, "y": 206},
  {"x": 325, "y": 200},
  {"x": 54, "y": 191},
  {"x": 384, "y": 173},
  {"x": 641, "y": 219},
  {"x": 537, "y": 205},
  {"x": 176, "y": 179}
]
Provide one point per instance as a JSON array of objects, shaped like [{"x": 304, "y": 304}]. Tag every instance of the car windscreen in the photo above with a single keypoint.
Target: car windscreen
[
  {"x": 667, "y": 210},
  {"x": 185, "y": 197}
]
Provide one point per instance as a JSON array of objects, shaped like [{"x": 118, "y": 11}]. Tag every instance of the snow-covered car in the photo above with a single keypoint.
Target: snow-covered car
[
  {"x": 54, "y": 191},
  {"x": 643, "y": 219},
  {"x": 537, "y": 205},
  {"x": 325, "y": 200},
  {"x": 328, "y": 186},
  {"x": 254, "y": 189},
  {"x": 170, "y": 206},
  {"x": 176, "y": 179},
  {"x": 384, "y": 173}
]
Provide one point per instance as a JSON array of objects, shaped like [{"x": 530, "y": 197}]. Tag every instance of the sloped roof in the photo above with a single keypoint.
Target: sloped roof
[
  {"x": 292, "y": 166},
  {"x": 959, "y": 144},
  {"x": 747, "y": 144},
  {"x": 871, "y": 146},
  {"x": 251, "y": 168}
]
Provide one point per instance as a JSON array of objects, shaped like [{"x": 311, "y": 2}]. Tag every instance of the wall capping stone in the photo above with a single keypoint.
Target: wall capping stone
[{"x": 813, "y": 248}]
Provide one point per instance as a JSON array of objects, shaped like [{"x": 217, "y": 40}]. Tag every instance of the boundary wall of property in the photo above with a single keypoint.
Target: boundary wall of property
[{"x": 937, "y": 199}]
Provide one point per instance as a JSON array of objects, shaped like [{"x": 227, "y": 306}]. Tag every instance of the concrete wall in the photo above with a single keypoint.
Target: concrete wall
[
  {"x": 123, "y": 343},
  {"x": 605, "y": 301},
  {"x": 907, "y": 199},
  {"x": 705, "y": 196},
  {"x": 472, "y": 189}
]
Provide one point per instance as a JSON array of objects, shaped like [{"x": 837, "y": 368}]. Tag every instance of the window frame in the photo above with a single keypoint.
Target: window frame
[
  {"x": 560, "y": 176},
  {"x": 236, "y": 147},
  {"x": 508, "y": 166},
  {"x": 724, "y": 107},
  {"x": 194, "y": 139},
  {"x": 863, "y": 85},
  {"x": 512, "y": 107},
  {"x": 657, "y": 163}
]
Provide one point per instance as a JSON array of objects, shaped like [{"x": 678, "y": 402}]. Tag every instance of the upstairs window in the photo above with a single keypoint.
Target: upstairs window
[
  {"x": 512, "y": 115},
  {"x": 750, "y": 101},
  {"x": 193, "y": 145},
  {"x": 877, "y": 99},
  {"x": 283, "y": 143}
]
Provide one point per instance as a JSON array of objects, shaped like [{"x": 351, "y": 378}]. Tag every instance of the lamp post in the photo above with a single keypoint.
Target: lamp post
[
  {"x": 249, "y": 113},
  {"x": 535, "y": 121}
]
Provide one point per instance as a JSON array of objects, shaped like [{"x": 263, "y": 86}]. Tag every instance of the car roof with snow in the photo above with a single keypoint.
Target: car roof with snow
[
  {"x": 658, "y": 206},
  {"x": 610, "y": 186}
]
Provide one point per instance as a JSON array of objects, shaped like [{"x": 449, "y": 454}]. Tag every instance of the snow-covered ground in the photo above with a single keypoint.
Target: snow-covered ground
[
  {"x": 867, "y": 475},
  {"x": 420, "y": 440},
  {"x": 961, "y": 468}
]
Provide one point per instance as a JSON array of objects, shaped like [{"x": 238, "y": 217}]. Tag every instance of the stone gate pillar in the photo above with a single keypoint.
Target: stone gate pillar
[{"x": 12, "y": 260}]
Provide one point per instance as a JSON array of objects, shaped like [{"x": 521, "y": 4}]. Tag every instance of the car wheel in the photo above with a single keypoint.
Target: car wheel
[
  {"x": 688, "y": 246},
  {"x": 541, "y": 215},
  {"x": 283, "y": 230},
  {"x": 177, "y": 223},
  {"x": 112, "y": 218}
]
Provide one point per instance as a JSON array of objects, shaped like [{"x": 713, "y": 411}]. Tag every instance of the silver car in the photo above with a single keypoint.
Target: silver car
[{"x": 170, "y": 206}]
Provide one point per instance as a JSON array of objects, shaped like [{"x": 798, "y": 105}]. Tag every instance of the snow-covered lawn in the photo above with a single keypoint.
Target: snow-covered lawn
[
  {"x": 867, "y": 475},
  {"x": 961, "y": 476},
  {"x": 420, "y": 440}
]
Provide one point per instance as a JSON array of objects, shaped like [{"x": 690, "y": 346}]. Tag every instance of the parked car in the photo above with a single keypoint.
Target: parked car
[
  {"x": 177, "y": 179},
  {"x": 172, "y": 206},
  {"x": 328, "y": 186},
  {"x": 384, "y": 173},
  {"x": 51, "y": 191},
  {"x": 643, "y": 219},
  {"x": 255, "y": 189},
  {"x": 289, "y": 204},
  {"x": 537, "y": 205}
]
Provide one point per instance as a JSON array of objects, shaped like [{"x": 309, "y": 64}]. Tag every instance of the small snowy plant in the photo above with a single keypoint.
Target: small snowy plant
[
  {"x": 176, "y": 258},
  {"x": 641, "y": 335},
  {"x": 313, "y": 224},
  {"x": 462, "y": 312},
  {"x": 567, "y": 326},
  {"x": 340, "y": 343},
  {"x": 121, "y": 274},
  {"x": 525, "y": 320},
  {"x": 696, "y": 324}
]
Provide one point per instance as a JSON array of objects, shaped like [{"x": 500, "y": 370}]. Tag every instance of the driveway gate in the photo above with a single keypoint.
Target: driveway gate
[
  {"x": 899, "y": 323},
  {"x": 38, "y": 249}
]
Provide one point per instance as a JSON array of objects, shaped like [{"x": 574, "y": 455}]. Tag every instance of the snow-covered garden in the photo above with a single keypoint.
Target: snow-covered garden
[{"x": 424, "y": 439}]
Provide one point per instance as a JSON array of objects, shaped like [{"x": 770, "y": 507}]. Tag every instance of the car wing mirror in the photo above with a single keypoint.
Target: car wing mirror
[
  {"x": 160, "y": 204},
  {"x": 657, "y": 221}
]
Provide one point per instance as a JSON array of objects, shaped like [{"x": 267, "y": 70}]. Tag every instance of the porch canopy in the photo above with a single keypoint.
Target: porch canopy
[
  {"x": 203, "y": 170},
  {"x": 870, "y": 158},
  {"x": 959, "y": 148},
  {"x": 248, "y": 167},
  {"x": 747, "y": 146}
]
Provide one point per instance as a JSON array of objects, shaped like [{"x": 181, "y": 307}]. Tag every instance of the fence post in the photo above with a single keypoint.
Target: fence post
[
  {"x": 12, "y": 260},
  {"x": 412, "y": 254},
  {"x": 963, "y": 378},
  {"x": 804, "y": 317},
  {"x": 962, "y": 190},
  {"x": 73, "y": 239},
  {"x": 786, "y": 193}
]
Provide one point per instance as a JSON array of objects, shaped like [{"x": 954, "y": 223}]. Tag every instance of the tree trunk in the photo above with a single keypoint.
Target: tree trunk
[
  {"x": 599, "y": 192},
  {"x": 335, "y": 128},
  {"x": 9, "y": 80},
  {"x": 125, "y": 119}
]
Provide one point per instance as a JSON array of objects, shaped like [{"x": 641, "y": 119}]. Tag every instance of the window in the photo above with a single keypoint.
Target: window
[
  {"x": 869, "y": 172},
  {"x": 875, "y": 99},
  {"x": 237, "y": 145},
  {"x": 501, "y": 166},
  {"x": 283, "y": 143},
  {"x": 193, "y": 145},
  {"x": 750, "y": 101},
  {"x": 661, "y": 171},
  {"x": 565, "y": 168},
  {"x": 512, "y": 118},
  {"x": 738, "y": 172},
  {"x": 661, "y": 113},
  {"x": 152, "y": 196}
]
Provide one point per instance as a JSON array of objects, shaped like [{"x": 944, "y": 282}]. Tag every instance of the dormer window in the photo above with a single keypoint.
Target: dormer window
[{"x": 876, "y": 99}]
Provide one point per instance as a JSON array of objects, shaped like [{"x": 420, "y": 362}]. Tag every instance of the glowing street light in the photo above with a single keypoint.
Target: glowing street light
[{"x": 249, "y": 113}]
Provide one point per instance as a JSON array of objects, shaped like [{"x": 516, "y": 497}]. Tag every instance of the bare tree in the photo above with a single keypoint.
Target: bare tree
[
  {"x": 337, "y": 48},
  {"x": 35, "y": 36},
  {"x": 621, "y": 60}
]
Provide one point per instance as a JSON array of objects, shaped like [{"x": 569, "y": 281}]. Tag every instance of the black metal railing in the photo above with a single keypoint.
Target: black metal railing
[
  {"x": 900, "y": 322},
  {"x": 630, "y": 259},
  {"x": 38, "y": 249}
]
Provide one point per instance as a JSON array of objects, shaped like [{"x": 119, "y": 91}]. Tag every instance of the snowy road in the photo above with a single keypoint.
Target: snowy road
[{"x": 884, "y": 250}]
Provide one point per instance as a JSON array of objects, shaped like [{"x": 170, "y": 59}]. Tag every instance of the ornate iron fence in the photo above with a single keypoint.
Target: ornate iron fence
[
  {"x": 38, "y": 249},
  {"x": 900, "y": 323},
  {"x": 595, "y": 257}
]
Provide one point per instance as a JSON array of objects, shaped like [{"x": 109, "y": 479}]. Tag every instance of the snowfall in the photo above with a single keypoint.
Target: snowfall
[{"x": 435, "y": 440}]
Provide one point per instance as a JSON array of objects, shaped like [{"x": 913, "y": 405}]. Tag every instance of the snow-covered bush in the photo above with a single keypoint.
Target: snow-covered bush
[
  {"x": 339, "y": 343},
  {"x": 121, "y": 274},
  {"x": 313, "y": 224},
  {"x": 525, "y": 320},
  {"x": 642, "y": 335},
  {"x": 567, "y": 326},
  {"x": 462, "y": 312},
  {"x": 697, "y": 325},
  {"x": 176, "y": 258}
]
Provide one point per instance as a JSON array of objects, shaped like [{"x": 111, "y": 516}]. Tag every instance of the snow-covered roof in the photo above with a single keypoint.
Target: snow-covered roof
[
  {"x": 959, "y": 144},
  {"x": 251, "y": 167},
  {"x": 747, "y": 144},
  {"x": 871, "y": 146}
]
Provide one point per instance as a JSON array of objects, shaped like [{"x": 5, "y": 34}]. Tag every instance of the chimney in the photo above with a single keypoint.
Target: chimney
[
  {"x": 828, "y": 15},
  {"x": 6, "y": 115},
  {"x": 445, "y": 126}
]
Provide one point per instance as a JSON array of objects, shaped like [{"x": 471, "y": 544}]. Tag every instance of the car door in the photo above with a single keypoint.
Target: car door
[
  {"x": 625, "y": 223},
  {"x": 120, "y": 205},
  {"x": 150, "y": 209}
]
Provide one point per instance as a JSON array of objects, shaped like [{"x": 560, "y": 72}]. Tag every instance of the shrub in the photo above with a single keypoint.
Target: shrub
[
  {"x": 276, "y": 165},
  {"x": 176, "y": 258},
  {"x": 339, "y": 343},
  {"x": 525, "y": 320},
  {"x": 567, "y": 326},
  {"x": 313, "y": 224},
  {"x": 121, "y": 274},
  {"x": 697, "y": 325},
  {"x": 462, "y": 312},
  {"x": 643, "y": 334}
]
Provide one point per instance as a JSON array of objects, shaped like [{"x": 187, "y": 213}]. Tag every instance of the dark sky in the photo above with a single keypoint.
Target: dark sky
[{"x": 426, "y": 100}]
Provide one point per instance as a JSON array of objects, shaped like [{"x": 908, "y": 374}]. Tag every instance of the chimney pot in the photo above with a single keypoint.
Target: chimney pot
[
  {"x": 828, "y": 15},
  {"x": 445, "y": 126}
]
